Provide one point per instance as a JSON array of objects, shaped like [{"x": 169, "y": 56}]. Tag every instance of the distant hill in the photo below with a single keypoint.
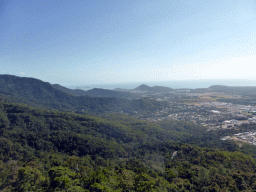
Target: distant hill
[
  {"x": 213, "y": 88},
  {"x": 37, "y": 93},
  {"x": 161, "y": 89},
  {"x": 144, "y": 87},
  {"x": 75, "y": 92},
  {"x": 96, "y": 92},
  {"x": 240, "y": 90}
]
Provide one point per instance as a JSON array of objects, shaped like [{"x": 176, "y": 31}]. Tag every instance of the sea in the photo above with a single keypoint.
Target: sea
[{"x": 187, "y": 84}]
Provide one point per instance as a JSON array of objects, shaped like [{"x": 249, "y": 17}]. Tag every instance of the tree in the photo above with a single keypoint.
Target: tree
[
  {"x": 170, "y": 175},
  {"x": 62, "y": 178},
  {"x": 29, "y": 179},
  {"x": 143, "y": 182}
]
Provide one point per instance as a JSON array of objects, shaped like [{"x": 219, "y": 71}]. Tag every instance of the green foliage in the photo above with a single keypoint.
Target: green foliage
[
  {"x": 170, "y": 174},
  {"x": 28, "y": 179},
  {"x": 40, "y": 94},
  {"x": 43, "y": 150},
  {"x": 62, "y": 178},
  {"x": 143, "y": 182}
]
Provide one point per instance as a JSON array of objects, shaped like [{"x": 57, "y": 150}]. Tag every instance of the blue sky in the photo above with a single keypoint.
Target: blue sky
[{"x": 83, "y": 42}]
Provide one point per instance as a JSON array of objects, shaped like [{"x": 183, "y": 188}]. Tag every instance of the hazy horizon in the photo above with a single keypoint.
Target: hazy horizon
[
  {"x": 88, "y": 42},
  {"x": 178, "y": 84},
  {"x": 175, "y": 84}
]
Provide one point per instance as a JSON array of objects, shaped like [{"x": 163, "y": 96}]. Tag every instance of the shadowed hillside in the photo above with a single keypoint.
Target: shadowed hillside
[
  {"x": 41, "y": 94},
  {"x": 96, "y": 92}
]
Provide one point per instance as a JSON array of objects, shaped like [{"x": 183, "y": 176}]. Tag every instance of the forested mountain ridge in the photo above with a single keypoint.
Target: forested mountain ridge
[
  {"x": 47, "y": 150},
  {"x": 41, "y": 94},
  {"x": 74, "y": 92},
  {"x": 96, "y": 92},
  {"x": 43, "y": 150}
]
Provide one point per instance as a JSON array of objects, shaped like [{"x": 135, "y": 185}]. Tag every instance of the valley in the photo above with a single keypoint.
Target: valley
[{"x": 146, "y": 139}]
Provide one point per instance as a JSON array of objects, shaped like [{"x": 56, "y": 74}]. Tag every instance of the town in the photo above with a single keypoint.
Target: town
[{"x": 205, "y": 109}]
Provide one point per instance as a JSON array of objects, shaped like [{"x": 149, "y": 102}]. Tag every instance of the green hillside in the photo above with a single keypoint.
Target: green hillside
[
  {"x": 43, "y": 150},
  {"x": 41, "y": 94}
]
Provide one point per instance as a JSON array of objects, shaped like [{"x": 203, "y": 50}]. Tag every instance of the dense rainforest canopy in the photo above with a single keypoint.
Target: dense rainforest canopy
[{"x": 44, "y": 150}]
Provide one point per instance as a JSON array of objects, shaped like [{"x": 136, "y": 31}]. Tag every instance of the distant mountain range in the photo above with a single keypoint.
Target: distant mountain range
[
  {"x": 42, "y": 94},
  {"x": 241, "y": 90},
  {"x": 96, "y": 92},
  {"x": 144, "y": 87}
]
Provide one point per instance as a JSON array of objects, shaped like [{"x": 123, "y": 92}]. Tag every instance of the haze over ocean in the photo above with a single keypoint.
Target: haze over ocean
[{"x": 190, "y": 84}]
